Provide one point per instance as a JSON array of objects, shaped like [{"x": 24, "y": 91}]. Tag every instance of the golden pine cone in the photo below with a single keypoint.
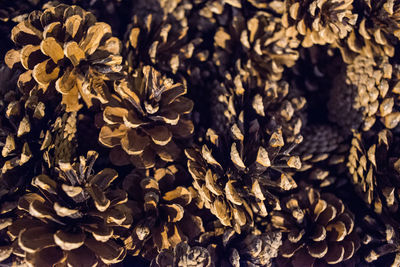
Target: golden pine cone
[
  {"x": 241, "y": 188},
  {"x": 319, "y": 229},
  {"x": 183, "y": 255},
  {"x": 64, "y": 48},
  {"x": 146, "y": 118},
  {"x": 263, "y": 53},
  {"x": 376, "y": 33},
  {"x": 76, "y": 218},
  {"x": 373, "y": 164},
  {"x": 368, "y": 93},
  {"x": 319, "y": 21},
  {"x": 162, "y": 210}
]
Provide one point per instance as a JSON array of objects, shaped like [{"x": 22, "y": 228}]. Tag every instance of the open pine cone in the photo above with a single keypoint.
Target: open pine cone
[
  {"x": 238, "y": 189},
  {"x": 376, "y": 33},
  {"x": 63, "y": 47},
  {"x": 73, "y": 219},
  {"x": 319, "y": 21},
  {"x": 319, "y": 229},
  {"x": 263, "y": 53},
  {"x": 146, "y": 118},
  {"x": 374, "y": 165},
  {"x": 162, "y": 210}
]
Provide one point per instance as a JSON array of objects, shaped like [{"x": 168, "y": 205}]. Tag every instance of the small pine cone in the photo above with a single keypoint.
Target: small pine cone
[
  {"x": 320, "y": 229},
  {"x": 251, "y": 248},
  {"x": 319, "y": 21},
  {"x": 263, "y": 53},
  {"x": 377, "y": 30},
  {"x": 160, "y": 41},
  {"x": 76, "y": 218},
  {"x": 162, "y": 210},
  {"x": 374, "y": 165},
  {"x": 323, "y": 155},
  {"x": 369, "y": 93},
  {"x": 240, "y": 189},
  {"x": 64, "y": 48},
  {"x": 183, "y": 255},
  {"x": 146, "y": 118}
]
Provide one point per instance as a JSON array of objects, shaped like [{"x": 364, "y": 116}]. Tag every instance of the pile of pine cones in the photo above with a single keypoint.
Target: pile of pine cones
[{"x": 204, "y": 133}]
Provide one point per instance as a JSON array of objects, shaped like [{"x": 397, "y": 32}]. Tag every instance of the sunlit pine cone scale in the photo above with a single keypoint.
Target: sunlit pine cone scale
[
  {"x": 319, "y": 21},
  {"x": 318, "y": 229},
  {"x": 146, "y": 117},
  {"x": 74, "y": 219},
  {"x": 63, "y": 47}
]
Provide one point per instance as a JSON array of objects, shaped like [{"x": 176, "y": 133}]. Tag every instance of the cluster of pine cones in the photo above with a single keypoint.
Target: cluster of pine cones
[{"x": 203, "y": 133}]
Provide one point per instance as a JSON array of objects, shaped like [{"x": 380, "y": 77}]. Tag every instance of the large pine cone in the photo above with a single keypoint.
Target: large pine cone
[
  {"x": 64, "y": 48},
  {"x": 238, "y": 189},
  {"x": 374, "y": 165},
  {"x": 319, "y": 21},
  {"x": 368, "y": 93},
  {"x": 75, "y": 218},
  {"x": 162, "y": 210},
  {"x": 377, "y": 30},
  {"x": 146, "y": 118},
  {"x": 320, "y": 229}
]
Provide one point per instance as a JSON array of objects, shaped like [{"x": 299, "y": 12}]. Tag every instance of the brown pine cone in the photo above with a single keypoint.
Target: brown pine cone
[
  {"x": 319, "y": 21},
  {"x": 64, "y": 48},
  {"x": 263, "y": 53},
  {"x": 160, "y": 40},
  {"x": 323, "y": 155},
  {"x": 374, "y": 165},
  {"x": 162, "y": 209},
  {"x": 377, "y": 30},
  {"x": 183, "y": 255},
  {"x": 251, "y": 248},
  {"x": 146, "y": 118},
  {"x": 238, "y": 189},
  {"x": 73, "y": 219},
  {"x": 368, "y": 93},
  {"x": 319, "y": 229}
]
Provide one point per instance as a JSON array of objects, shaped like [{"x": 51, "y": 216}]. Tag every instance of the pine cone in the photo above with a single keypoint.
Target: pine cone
[
  {"x": 74, "y": 218},
  {"x": 369, "y": 93},
  {"x": 64, "y": 48},
  {"x": 373, "y": 164},
  {"x": 323, "y": 155},
  {"x": 319, "y": 21},
  {"x": 320, "y": 229},
  {"x": 146, "y": 118},
  {"x": 377, "y": 30},
  {"x": 252, "y": 248},
  {"x": 160, "y": 40},
  {"x": 183, "y": 255},
  {"x": 162, "y": 210},
  {"x": 263, "y": 53},
  {"x": 240, "y": 189}
]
